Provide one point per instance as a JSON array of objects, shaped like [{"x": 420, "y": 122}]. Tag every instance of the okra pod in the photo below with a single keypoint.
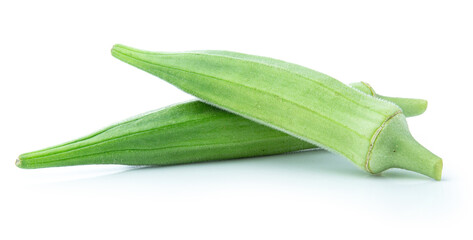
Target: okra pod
[
  {"x": 370, "y": 132},
  {"x": 183, "y": 133}
]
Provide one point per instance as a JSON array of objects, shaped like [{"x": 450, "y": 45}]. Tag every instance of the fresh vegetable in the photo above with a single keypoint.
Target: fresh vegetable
[
  {"x": 306, "y": 104},
  {"x": 183, "y": 133}
]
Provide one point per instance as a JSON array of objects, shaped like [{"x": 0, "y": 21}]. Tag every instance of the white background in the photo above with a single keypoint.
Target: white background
[{"x": 59, "y": 82}]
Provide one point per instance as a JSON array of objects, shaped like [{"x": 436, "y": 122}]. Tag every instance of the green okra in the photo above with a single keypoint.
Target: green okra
[
  {"x": 309, "y": 105},
  {"x": 410, "y": 107},
  {"x": 183, "y": 133}
]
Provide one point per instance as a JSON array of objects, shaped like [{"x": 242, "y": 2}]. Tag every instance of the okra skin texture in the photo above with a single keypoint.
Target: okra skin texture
[
  {"x": 296, "y": 100},
  {"x": 183, "y": 133}
]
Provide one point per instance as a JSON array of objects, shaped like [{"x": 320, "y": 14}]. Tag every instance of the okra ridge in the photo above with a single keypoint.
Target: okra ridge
[
  {"x": 40, "y": 154},
  {"x": 201, "y": 53},
  {"x": 249, "y": 87}
]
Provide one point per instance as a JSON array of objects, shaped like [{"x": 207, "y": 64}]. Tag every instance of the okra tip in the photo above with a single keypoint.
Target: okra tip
[
  {"x": 117, "y": 46},
  {"x": 18, "y": 162},
  {"x": 116, "y": 49},
  {"x": 120, "y": 49},
  {"x": 24, "y": 163}
]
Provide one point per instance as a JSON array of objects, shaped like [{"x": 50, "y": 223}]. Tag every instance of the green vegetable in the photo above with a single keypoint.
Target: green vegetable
[
  {"x": 410, "y": 107},
  {"x": 184, "y": 133},
  {"x": 309, "y": 105}
]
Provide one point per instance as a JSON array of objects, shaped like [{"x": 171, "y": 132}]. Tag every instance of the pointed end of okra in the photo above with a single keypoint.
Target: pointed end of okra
[
  {"x": 19, "y": 163},
  {"x": 118, "y": 50},
  {"x": 119, "y": 46},
  {"x": 133, "y": 56},
  {"x": 23, "y": 161},
  {"x": 394, "y": 147}
]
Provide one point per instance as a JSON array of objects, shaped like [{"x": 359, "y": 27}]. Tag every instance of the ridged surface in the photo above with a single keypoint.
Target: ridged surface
[
  {"x": 299, "y": 101},
  {"x": 183, "y": 133}
]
